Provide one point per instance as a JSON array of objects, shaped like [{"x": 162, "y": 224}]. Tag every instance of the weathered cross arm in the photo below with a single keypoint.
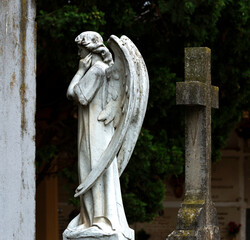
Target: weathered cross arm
[{"x": 195, "y": 93}]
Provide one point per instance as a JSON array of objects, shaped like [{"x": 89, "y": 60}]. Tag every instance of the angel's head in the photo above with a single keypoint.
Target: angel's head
[{"x": 92, "y": 42}]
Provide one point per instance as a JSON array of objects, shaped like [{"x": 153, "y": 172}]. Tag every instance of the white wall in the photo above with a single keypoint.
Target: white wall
[{"x": 17, "y": 112}]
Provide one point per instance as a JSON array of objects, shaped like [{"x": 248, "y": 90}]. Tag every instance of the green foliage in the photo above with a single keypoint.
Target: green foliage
[
  {"x": 69, "y": 20},
  {"x": 134, "y": 207},
  {"x": 161, "y": 30},
  {"x": 151, "y": 163},
  {"x": 45, "y": 154}
]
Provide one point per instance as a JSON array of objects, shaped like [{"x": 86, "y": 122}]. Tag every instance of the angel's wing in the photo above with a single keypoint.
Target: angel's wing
[
  {"x": 127, "y": 95},
  {"x": 141, "y": 89},
  {"x": 117, "y": 85}
]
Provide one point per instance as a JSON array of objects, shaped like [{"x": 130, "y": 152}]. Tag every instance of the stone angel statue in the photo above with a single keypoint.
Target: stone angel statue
[{"x": 112, "y": 94}]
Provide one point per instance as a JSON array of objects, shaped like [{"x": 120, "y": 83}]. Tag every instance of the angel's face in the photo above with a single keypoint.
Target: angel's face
[{"x": 82, "y": 52}]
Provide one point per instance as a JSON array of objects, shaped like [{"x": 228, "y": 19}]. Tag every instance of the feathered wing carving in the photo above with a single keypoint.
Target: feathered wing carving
[
  {"x": 116, "y": 86},
  {"x": 141, "y": 89},
  {"x": 127, "y": 96}
]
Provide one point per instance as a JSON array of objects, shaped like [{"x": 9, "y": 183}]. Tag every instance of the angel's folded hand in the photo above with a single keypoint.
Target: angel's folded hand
[{"x": 85, "y": 63}]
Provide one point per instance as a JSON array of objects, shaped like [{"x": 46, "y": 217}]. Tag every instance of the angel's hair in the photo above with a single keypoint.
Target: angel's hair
[{"x": 93, "y": 42}]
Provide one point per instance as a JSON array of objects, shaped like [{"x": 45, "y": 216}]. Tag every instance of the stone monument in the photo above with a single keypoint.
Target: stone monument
[
  {"x": 17, "y": 119},
  {"x": 197, "y": 218},
  {"x": 112, "y": 96}
]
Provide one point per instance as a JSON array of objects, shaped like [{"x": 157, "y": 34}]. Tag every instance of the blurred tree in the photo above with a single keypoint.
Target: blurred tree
[{"x": 160, "y": 29}]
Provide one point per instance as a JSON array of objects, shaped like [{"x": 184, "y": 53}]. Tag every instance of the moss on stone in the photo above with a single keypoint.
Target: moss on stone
[
  {"x": 22, "y": 92},
  {"x": 22, "y": 89},
  {"x": 13, "y": 81},
  {"x": 184, "y": 233}
]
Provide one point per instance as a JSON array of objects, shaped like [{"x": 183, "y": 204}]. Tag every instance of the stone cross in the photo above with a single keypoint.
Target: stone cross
[
  {"x": 197, "y": 218},
  {"x": 17, "y": 119}
]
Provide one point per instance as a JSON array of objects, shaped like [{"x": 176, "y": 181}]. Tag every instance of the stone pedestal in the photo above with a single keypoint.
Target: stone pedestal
[
  {"x": 92, "y": 233},
  {"x": 191, "y": 222}
]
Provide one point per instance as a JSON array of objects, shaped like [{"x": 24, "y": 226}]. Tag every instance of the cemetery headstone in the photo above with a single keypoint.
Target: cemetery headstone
[{"x": 197, "y": 218}]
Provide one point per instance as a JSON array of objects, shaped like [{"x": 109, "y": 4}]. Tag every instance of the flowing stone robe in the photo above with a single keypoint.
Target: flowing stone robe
[{"x": 104, "y": 198}]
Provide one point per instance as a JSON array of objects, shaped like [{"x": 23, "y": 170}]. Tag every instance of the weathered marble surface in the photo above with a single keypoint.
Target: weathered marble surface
[
  {"x": 17, "y": 119},
  {"x": 93, "y": 233},
  {"x": 112, "y": 97},
  {"x": 197, "y": 218}
]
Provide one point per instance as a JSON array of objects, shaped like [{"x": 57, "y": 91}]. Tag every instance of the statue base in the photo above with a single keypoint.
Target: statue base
[
  {"x": 92, "y": 233},
  {"x": 196, "y": 220}
]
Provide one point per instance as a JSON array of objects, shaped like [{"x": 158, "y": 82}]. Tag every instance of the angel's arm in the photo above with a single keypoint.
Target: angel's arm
[
  {"x": 84, "y": 65},
  {"x": 88, "y": 86}
]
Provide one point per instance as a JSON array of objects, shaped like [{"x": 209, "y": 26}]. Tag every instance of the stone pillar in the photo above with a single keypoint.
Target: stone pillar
[
  {"x": 17, "y": 118},
  {"x": 197, "y": 218}
]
